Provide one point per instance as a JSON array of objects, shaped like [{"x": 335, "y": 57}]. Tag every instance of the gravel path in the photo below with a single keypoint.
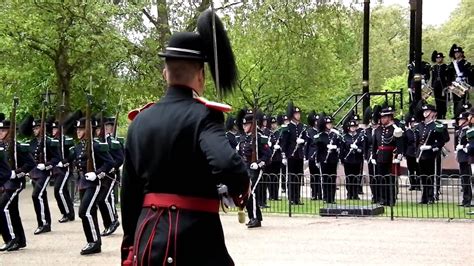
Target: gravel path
[{"x": 281, "y": 241}]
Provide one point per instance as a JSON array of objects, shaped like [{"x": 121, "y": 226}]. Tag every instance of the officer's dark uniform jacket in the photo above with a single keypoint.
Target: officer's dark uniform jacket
[
  {"x": 311, "y": 147},
  {"x": 116, "y": 151},
  {"x": 233, "y": 138},
  {"x": 25, "y": 163},
  {"x": 178, "y": 130},
  {"x": 410, "y": 143},
  {"x": 439, "y": 74},
  {"x": 470, "y": 149},
  {"x": 436, "y": 139},
  {"x": 460, "y": 138},
  {"x": 386, "y": 145},
  {"x": 369, "y": 134},
  {"x": 245, "y": 148},
  {"x": 52, "y": 156},
  {"x": 323, "y": 139},
  {"x": 349, "y": 155},
  {"x": 63, "y": 154},
  {"x": 288, "y": 141},
  {"x": 103, "y": 161}
]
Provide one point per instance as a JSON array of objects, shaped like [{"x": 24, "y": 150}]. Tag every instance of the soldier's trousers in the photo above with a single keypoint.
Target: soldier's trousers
[
  {"x": 295, "y": 177},
  {"x": 329, "y": 171},
  {"x": 106, "y": 203},
  {"x": 458, "y": 101},
  {"x": 412, "y": 165},
  {"x": 353, "y": 179},
  {"x": 387, "y": 184},
  {"x": 374, "y": 188},
  {"x": 427, "y": 170},
  {"x": 61, "y": 192},
  {"x": 88, "y": 213},
  {"x": 315, "y": 179},
  {"x": 253, "y": 209},
  {"x": 40, "y": 201},
  {"x": 465, "y": 172},
  {"x": 284, "y": 175},
  {"x": 274, "y": 179},
  {"x": 441, "y": 101},
  {"x": 10, "y": 220}
]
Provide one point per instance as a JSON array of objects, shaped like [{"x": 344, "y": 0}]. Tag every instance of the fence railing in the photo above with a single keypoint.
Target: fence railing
[{"x": 386, "y": 196}]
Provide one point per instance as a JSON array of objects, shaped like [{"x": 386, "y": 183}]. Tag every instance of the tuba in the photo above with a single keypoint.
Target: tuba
[
  {"x": 459, "y": 88},
  {"x": 426, "y": 91}
]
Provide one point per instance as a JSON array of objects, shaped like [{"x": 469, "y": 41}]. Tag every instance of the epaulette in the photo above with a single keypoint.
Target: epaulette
[
  {"x": 25, "y": 147},
  {"x": 283, "y": 128},
  {"x": 68, "y": 141},
  {"x": 222, "y": 107},
  {"x": 54, "y": 142},
  {"x": 470, "y": 133},
  {"x": 317, "y": 135},
  {"x": 103, "y": 146},
  {"x": 121, "y": 140},
  {"x": 115, "y": 144},
  {"x": 439, "y": 127},
  {"x": 263, "y": 139}
]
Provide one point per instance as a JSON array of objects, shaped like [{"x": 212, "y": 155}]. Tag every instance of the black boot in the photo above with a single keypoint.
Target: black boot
[
  {"x": 43, "y": 229},
  {"x": 91, "y": 248},
  {"x": 8, "y": 245},
  {"x": 254, "y": 223}
]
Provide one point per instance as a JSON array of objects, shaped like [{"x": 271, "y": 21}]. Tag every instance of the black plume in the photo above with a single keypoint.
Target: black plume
[
  {"x": 226, "y": 62},
  {"x": 240, "y": 118},
  {"x": 367, "y": 115},
  {"x": 280, "y": 119},
  {"x": 418, "y": 111},
  {"x": 322, "y": 123},
  {"x": 433, "y": 56},
  {"x": 26, "y": 126},
  {"x": 451, "y": 51},
  {"x": 376, "y": 114},
  {"x": 230, "y": 122},
  {"x": 290, "y": 109},
  {"x": 311, "y": 118},
  {"x": 70, "y": 120},
  {"x": 2, "y": 116}
]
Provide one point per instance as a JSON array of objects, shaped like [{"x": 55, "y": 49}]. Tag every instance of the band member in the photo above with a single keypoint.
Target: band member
[
  {"x": 12, "y": 182},
  {"x": 352, "y": 156},
  {"x": 46, "y": 156},
  {"x": 439, "y": 83},
  {"x": 232, "y": 132},
  {"x": 425, "y": 73},
  {"x": 169, "y": 210},
  {"x": 311, "y": 154},
  {"x": 387, "y": 149},
  {"x": 410, "y": 153},
  {"x": 293, "y": 141},
  {"x": 245, "y": 149},
  {"x": 62, "y": 173},
  {"x": 262, "y": 124},
  {"x": 90, "y": 184},
  {"x": 459, "y": 70},
  {"x": 106, "y": 197},
  {"x": 430, "y": 140},
  {"x": 328, "y": 142},
  {"x": 274, "y": 169},
  {"x": 282, "y": 121},
  {"x": 461, "y": 146}
]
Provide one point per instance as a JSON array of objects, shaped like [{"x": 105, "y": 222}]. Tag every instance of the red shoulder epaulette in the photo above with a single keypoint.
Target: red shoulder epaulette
[
  {"x": 214, "y": 105},
  {"x": 133, "y": 113}
]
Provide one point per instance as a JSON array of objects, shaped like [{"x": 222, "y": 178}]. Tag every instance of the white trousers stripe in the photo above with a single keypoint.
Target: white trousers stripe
[
  {"x": 61, "y": 192},
  {"x": 107, "y": 203},
  {"x": 88, "y": 213},
  {"x": 41, "y": 201},
  {"x": 7, "y": 213}
]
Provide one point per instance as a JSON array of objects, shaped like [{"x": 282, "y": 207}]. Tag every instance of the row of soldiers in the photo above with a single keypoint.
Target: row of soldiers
[
  {"x": 51, "y": 156},
  {"x": 286, "y": 146},
  {"x": 439, "y": 77}
]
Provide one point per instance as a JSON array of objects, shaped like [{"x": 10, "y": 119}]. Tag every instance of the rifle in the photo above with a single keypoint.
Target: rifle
[
  {"x": 12, "y": 133},
  {"x": 114, "y": 132},
  {"x": 102, "y": 125},
  {"x": 62, "y": 109},
  {"x": 351, "y": 150},
  {"x": 42, "y": 156},
  {"x": 90, "y": 165}
]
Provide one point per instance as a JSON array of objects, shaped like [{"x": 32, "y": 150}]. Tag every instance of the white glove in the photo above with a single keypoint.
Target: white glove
[
  {"x": 60, "y": 164},
  {"x": 373, "y": 161},
  {"x": 254, "y": 166},
  {"x": 396, "y": 161},
  {"x": 284, "y": 161},
  {"x": 305, "y": 163},
  {"x": 276, "y": 147},
  {"x": 331, "y": 147},
  {"x": 459, "y": 147},
  {"x": 299, "y": 141},
  {"x": 354, "y": 146},
  {"x": 101, "y": 175},
  {"x": 41, "y": 166},
  {"x": 261, "y": 164},
  {"x": 49, "y": 167},
  {"x": 458, "y": 79},
  {"x": 425, "y": 147},
  {"x": 20, "y": 175},
  {"x": 13, "y": 175},
  {"x": 318, "y": 165},
  {"x": 398, "y": 132},
  {"x": 91, "y": 176}
]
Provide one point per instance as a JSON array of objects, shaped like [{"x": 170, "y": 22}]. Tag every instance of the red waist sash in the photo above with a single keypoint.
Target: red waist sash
[{"x": 181, "y": 202}]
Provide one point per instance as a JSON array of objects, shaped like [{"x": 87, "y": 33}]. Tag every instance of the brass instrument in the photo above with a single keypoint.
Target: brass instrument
[
  {"x": 426, "y": 91},
  {"x": 459, "y": 88}
]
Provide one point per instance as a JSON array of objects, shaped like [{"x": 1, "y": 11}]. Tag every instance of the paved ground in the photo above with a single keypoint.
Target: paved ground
[{"x": 281, "y": 241}]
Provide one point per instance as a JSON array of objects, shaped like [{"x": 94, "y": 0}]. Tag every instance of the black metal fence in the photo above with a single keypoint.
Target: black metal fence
[{"x": 388, "y": 196}]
